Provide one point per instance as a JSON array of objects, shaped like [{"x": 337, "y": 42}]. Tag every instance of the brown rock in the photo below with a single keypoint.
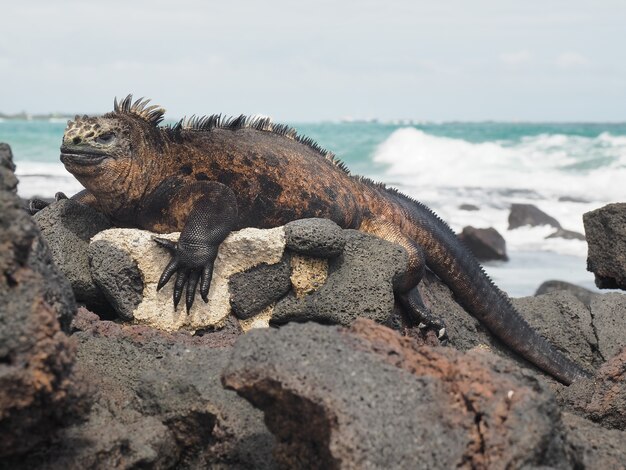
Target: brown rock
[
  {"x": 37, "y": 388},
  {"x": 603, "y": 397}
]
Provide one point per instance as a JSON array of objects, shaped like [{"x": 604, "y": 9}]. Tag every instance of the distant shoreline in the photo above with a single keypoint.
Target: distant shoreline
[{"x": 34, "y": 117}]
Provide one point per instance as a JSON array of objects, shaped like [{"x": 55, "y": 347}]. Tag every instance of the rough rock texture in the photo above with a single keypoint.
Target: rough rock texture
[
  {"x": 486, "y": 243},
  {"x": 387, "y": 402},
  {"x": 559, "y": 316},
  {"x": 37, "y": 383},
  {"x": 307, "y": 274},
  {"x": 123, "y": 249},
  {"x": 605, "y": 229},
  {"x": 609, "y": 319},
  {"x": 582, "y": 294},
  {"x": 360, "y": 283},
  {"x": 254, "y": 274},
  {"x": 528, "y": 214},
  {"x": 463, "y": 330},
  {"x": 602, "y": 398},
  {"x": 118, "y": 277},
  {"x": 67, "y": 227},
  {"x": 321, "y": 238},
  {"x": 255, "y": 289},
  {"x": 565, "y": 322},
  {"x": 593, "y": 446},
  {"x": 159, "y": 404}
]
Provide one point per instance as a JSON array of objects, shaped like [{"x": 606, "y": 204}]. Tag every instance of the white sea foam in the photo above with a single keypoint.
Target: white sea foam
[
  {"x": 551, "y": 165},
  {"x": 44, "y": 179},
  {"x": 446, "y": 172}
]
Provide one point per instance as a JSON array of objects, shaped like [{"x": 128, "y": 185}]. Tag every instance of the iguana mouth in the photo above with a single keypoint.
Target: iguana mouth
[{"x": 82, "y": 156}]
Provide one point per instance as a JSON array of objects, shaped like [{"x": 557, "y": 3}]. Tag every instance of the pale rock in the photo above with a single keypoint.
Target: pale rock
[
  {"x": 307, "y": 274},
  {"x": 239, "y": 252}
]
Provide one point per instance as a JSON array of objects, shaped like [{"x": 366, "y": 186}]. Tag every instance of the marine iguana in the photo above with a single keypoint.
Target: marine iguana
[{"x": 206, "y": 176}]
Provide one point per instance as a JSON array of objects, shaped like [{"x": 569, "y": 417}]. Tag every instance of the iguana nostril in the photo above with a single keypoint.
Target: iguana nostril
[{"x": 76, "y": 140}]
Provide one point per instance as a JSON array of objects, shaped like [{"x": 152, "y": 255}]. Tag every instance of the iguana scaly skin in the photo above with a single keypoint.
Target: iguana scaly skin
[{"x": 208, "y": 176}]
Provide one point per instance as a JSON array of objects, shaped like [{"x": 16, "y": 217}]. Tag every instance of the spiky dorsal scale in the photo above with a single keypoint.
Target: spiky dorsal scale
[
  {"x": 259, "y": 123},
  {"x": 155, "y": 114},
  {"x": 152, "y": 114}
]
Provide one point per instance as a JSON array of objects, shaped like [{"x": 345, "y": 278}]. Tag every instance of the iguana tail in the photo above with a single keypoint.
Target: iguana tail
[{"x": 448, "y": 258}]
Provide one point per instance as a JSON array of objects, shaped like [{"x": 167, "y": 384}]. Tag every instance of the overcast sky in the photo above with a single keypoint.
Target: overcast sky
[{"x": 298, "y": 60}]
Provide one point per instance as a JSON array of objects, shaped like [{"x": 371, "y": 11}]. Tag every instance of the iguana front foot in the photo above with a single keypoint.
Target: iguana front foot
[
  {"x": 35, "y": 205},
  {"x": 422, "y": 316},
  {"x": 192, "y": 264}
]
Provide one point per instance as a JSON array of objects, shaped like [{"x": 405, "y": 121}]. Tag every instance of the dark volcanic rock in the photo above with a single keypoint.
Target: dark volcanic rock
[
  {"x": 388, "y": 403},
  {"x": 565, "y": 322},
  {"x": 572, "y": 199},
  {"x": 464, "y": 331},
  {"x": 159, "y": 404},
  {"x": 468, "y": 207},
  {"x": 558, "y": 316},
  {"x": 37, "y": 384},
  {"x": 603, "y": 397},
  {"x": 582, "y": 294},
  {"x": 67, "y": 227},
  {"x": 606, "y": 237},
  {"x": 527, "y": 214},
  {"x": 253, "y": 290},
  {"x": 566, "y": 234},
  {"x": 6, "y": 162},
  {"x": 609, "y": 321},
  {"x": 360, "y": 283},
  {"x": 593, "y": 446},
  {"x": 320, "y": 238},
  {"x": 117, "y": 277},
  {"x": 486, "y": 243}
]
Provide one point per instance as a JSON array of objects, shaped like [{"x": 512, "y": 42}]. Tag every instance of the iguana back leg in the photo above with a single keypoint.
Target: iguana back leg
[{"x": 406, "y": 287}]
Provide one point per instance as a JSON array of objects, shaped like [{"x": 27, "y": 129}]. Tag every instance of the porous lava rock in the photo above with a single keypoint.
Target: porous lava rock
[
  {"x": 605, "y": 229},
  {"x": 320, "y": 238},
  {"x": 67, "y": 227},
  {"x": 253, "y": 290},
  {"x": 360, "y": 283},
  {"x": 38, "y": 391},
  {"x": 159, "y": 403},
  {"x": 609, "y": 322},
  {"x": 601, "y": 398},
  {"x": 367, "y": 398}
]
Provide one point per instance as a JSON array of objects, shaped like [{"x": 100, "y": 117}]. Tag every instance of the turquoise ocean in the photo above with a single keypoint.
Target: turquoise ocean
[{"x": 564, "y": 169}]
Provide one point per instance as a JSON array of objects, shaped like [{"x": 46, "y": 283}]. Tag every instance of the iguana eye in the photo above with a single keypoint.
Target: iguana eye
[{"x": 106, "y": 138}]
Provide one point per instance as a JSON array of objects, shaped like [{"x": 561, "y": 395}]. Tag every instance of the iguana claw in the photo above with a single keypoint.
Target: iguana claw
[
  {"x": 192, "y": 266},
  {"x": 36, "y": 204}
]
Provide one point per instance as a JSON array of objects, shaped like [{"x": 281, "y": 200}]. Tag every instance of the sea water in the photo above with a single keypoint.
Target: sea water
[{"x": 563, "y": 169}]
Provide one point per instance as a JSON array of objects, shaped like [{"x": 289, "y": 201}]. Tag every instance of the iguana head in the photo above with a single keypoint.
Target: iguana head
[{"x": 112, "y": 155}]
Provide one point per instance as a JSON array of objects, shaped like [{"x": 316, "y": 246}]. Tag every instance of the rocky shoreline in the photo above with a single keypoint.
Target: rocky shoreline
[{"x": 111, "y": 390}]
